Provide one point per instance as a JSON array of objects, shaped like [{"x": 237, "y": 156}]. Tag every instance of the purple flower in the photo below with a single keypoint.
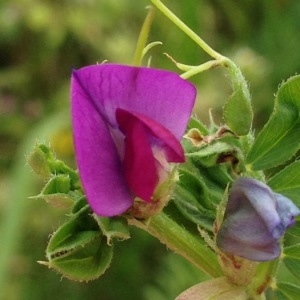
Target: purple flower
[
  {"x": 254, "y": 221},
  {"x": 127, "y": 127}
]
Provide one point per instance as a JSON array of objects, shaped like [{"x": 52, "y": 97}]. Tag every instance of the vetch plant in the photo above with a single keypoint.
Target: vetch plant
[{"x": 202, "y": 190}]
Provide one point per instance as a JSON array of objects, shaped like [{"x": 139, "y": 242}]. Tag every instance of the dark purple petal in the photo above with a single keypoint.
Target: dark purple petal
[
  {"x": 157, "y": 134},
  {"x": 161, "y": 95},
  {"x": 140, "y": 165},
  {"x": 254, "y": 221}
]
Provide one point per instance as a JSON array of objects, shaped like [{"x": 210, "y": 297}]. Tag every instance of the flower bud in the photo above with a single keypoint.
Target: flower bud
[
  {"x": 57, "y": 192},
  {"x": 39, "y": 160},
  {"x": 78, "y": 250},
  {"x": 254, "y": 221}
]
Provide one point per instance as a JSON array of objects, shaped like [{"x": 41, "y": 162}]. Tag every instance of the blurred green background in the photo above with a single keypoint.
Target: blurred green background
[{"x": 40, "y": 41}]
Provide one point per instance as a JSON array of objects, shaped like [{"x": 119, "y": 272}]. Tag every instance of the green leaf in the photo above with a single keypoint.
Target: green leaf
[
  {"x": 287, "y": 182},
  {"x": 238, "y": 112},
  {"x": 209, "y": 155},
  {"x": 283, "y": 291},
  {"x": 192, "y": 199},
  {"x": 57, "y": 200},
  {"x": 280, "y": 138},
  {"x": 291, "y": 259},
  {"x": 196, "y": 123},
  {"x": 294, "y": 230},
  {"x": 193, "y": 211},
  {"x": 215, "y": 179},
  {"x": 56, "y": 192},
  {"x": 84, "y": 263},
  {"x": 218, "y": 174},
  {"x": 43, "y": 162},
  {"x": 57, "y": 184},
  {"x": 79, "y": 203},
  {"x": 190, "y": 180},
  {"x": 38, "y": 160},
  {"x": 78, "y": 250},
  {"x": 116, "y": 227}
]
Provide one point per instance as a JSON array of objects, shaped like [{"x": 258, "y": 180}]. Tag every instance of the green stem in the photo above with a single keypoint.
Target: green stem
[
  {"x": 189, "y": 32},
  {"x": 143, "y": 37},
  {"x": 182, "y": 242},
  {"x": 203, "y": 67},
  {"x": 263, "y": 277}
]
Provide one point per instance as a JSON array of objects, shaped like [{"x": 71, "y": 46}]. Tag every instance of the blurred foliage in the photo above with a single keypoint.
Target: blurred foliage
[{"x": 40, "y": 41}]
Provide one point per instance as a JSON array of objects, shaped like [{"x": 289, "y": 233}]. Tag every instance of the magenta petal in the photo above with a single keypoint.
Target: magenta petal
[
  {"x": 157, "y": 134},
  {"x": 139, "y": 163},
  {"x": 99, "y": 165},
  {"x": 161, "y": 95}
]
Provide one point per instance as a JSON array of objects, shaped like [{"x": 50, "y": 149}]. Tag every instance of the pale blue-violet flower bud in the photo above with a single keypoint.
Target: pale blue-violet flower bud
[{"x": 254, "y": 221}]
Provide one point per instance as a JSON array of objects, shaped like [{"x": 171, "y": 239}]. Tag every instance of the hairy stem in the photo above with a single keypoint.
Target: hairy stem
[{"x": 182, "y": 242}]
